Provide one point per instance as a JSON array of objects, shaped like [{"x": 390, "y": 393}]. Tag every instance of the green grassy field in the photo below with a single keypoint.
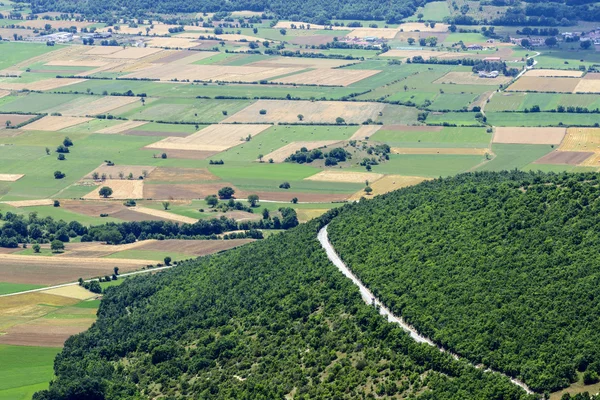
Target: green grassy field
[
  {"x": 511, "y": 156},
  {"x": 6, "y": 288},
  {"x": 434, "y": 11},
  {"x": 150, "y": 255},
  {"x": 16, "y": 52},
  {"x": 457, "y": 118},
  {"x": 37, "y": 102},
  {"x": 546, "y": 101},
  {"x": 540, "y": 119},
  {"x": 426, "y": 165},
  {"x": 447, "y": 137},
  {"x": 25, "y": 370}
]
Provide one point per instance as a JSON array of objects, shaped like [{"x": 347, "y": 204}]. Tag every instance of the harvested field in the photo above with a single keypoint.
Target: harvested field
[
  {"x": 133, "y": 53},
  {"x": 52, "y": 123},
  {"x": 112, "y": 172},
  {"x": 76, "y": 63},
  {"x": 45, "y": 332},
  {"x": 125, "y": 126},
  {"x": 195, "y": 247},
  {"x": 306, "y": 214},
  {"x": 10, "y": 177},
  {"x": 469, "y": 78},
  {"x": 387, "y": 184},
  {"x": 182, "y": 191},
  {"x": 344, "y": 176},
  {"x": 4, "y": 93},
  {"x": 15, "y": 119},
  {"x": 54, "y": 270},
  {"x": 164, "y": 215},
  {"x": 173, "y": 42},
  {"x": 187, "y": 175},
  {"x": 330, "y": 77},
  {"x": 224, "y": 73},
  {"x": 554, "y": 73},
  {"x": 528, "y": 135},
  {"x": 427, "y": 54},
  {"x": 588, "y": 86},
  {"x": 102, "y": 50},
  {"x": 44, "y": 84},
  {"x": 564, "y": 158},
  {"x": 122, "y": 190},
  {"x": 284, "y": 152},
  {"x": 541, "y": 84},
  {"x": 383, "y": 33},
  {"x": 294, "y": 62},
  {"x": 211, "y": 138},
  {"x": 314, "y": 112},
  {"x": 101, "y": 106},
  {"x": 73, "y": 292},
  {"x": 187, "y": 154},
  {"x": 444, "y": 150},
  {"x": 420, "y": 26},
  {"x": 29, "y": 203},
  {"x": 183, "y": 57},
  {"x": 365, "y": 131},
  {"x": 136, "y": 132},
  {"x": 583, "y": 140}
]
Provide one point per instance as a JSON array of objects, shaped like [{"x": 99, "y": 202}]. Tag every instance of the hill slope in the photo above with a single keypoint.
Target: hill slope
[
  {"x": 271, "y": 319},
  {"x": 501, "y": 268}
]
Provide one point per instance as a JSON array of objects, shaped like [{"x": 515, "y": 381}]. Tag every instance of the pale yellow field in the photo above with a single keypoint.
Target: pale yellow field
[
  {"x": 428, "y": 150},
  {"x": 196, "y": 56},
  {"x": 543, "y": 84},
  {"x": 282, "y": 153},
  {"x": 344, "y": 176},
  {"x": 73, "y": 292},
  {"x": 44, "y": 84},
  {"x": 469, "y": 78},
  {"x": 183, "y": 43},
  {"x": 520, "y": 135},
  {"x": 554, "y": 72},
  {"x": 383, "y": 33},
  {"x": 164, "y": 214},
  {"x": 133, "y": 53},
  {"x": 10, "y": 177},
  {"x": 306, "y": 214},
  {"x": 365, "y": 131},
  {"x": 314, "y": 112},
  {"x": 125, "y": 126},
  {"x": 330, "y": 77},
  {"x": 76, "y": 63},
  {"x": 234, "y": 37},
  {"x": 101, "y": 106},
  {"x": 387, "y": 184},
  {"x": 426, "y": 54},
  {"x": 92, "y": 247},
  {"x": 4, "y": 93},
  {"x": 420, "y": 26},
  {"x": 103, "y": 50},
  {"x": 53, "y": 123},
  {"x": 588, "y": 86},
  {"x": 122, "y": 190},
  {"x": 581, "y": 139},
  {"x": 30, "y": 203},
  {"x": 222, "y": 73},
  {"x": 294, "y": 62},
  {"x": 217, "y": 137}
]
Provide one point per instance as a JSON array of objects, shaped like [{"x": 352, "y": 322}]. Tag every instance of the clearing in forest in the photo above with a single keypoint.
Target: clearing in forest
[
  {"x": 122, "y": 190},
  {"x": 218, "y": 137},
  {"x": 517, "y": 135},
  {"x": 54, "y": 123},
  {"x": 387, "y": 184},
  {"x": 311, "y": 111},
  {"x": 284, "y": 152},
  {"x": 344, "y": 176}
]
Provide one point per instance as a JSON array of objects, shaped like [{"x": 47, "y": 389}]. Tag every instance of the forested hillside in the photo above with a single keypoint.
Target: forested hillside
[
  {"x": 315, "y": 11},
  {"x": 503, "y": 268},
  {"x": 264, "y": 321}
]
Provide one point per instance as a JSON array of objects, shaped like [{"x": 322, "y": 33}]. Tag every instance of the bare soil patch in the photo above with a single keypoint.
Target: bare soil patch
[
  {"x": 10, "y": 177},
  {"x": 313, "y": 111},
  {"x": 112, "y": 172},
  {"x": 212, "y": 138},
  {"x": 544, "y": 84},
  {"x": 588, "y": 86},
  {"x": 564, "y": 158},
  {"x": 592, "y": 75},
  {"x": 529, "y": 135},
  {"x": 387, "y": 184},
  {"x": 427, "y": 150},
  {"x": 284, "y": 152},
  {"x": 314, "y": 40},
  {"x": 344, "y": 176},
  {"x": 122, "y": 189},
  {"x": 52, "y": 123},
  {"x": 188, "y": 175},
  {"x": 42, "y": 333},
  {"x": 125, "y": 126},
  {"x": 554, "y": 73},
  {"x": 365, "y": 131},
  {"x": 182, "y": 191},
  {"x": 321, "y": 76},
  {"x": 41, "y": 270},
  {"x": 469, "y": 78},
  {"x": 15, "y": 119}
]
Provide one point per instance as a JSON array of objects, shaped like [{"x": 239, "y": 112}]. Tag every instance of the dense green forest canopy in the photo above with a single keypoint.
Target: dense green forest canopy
[
  {"x": 503, "y": 268},
  {"x": 315, "y": 11},
  {"x": 260, "y": 322}
]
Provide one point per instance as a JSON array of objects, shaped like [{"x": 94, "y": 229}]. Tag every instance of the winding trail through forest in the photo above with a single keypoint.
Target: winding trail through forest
[{"x": 370, "y": 299}]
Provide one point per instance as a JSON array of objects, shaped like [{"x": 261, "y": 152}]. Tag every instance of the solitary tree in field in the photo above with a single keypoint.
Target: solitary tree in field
[
  {"x": 105, "y": 191},
  {"x": 116, "y": 269},
  {"x": 405, "y": 87},
  {"x": 8, "y": 123},
  {"x": 253, "y": 199},
  {"x": 67, "y": 142},
  {"x": 226, "y": 192},
  {"x": 166, "y": 205},
  {"x": 57, "y": 246},
  {"x": 340, "y": 120},
  {"x": 368, "y": 190},
  {"x": 211, "y": 200},
  {"x": 411, "y": 41},
  {"x": 58, "y": 175},
  {"x": 167, "y": 260},
  {"x": 260, "y": 158},
  {"x": 47, "y": 151},
  {"x": 300, "y": 117}
]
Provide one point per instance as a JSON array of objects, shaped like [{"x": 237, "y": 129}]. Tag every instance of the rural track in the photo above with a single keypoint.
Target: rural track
[
  {"x": 370, "y": 299},
  {"x": 144, "y": 271}
]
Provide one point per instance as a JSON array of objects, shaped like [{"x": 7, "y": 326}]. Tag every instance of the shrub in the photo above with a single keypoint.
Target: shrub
[{"x": 58, "y": 175}]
